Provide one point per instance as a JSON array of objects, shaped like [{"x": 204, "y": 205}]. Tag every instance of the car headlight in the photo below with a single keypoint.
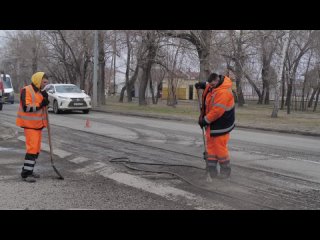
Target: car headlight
[
  {"x": 87, "y": 98},
  {"x": 63, "y": 97},
  {"x": 11, "y": 94}
]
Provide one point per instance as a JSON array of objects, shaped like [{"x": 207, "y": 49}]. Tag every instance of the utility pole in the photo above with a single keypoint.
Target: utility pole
[
  {"x": 95, "y": 70},
  {"x": 114, "y": 62}
]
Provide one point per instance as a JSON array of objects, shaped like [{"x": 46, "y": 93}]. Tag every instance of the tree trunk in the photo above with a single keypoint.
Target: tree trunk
[
  {"x": 204, "y": 54},
  {"x": 306, "y": 101},
  {"x": 122, "y": 93},
  {"x": 283, "y": 89},
  {"x": 238, "y": 73},
  {"x": 130, "y": 84},
  {"x": 295, "y": 99},
  {"x": 314, "y": 91},
  {"x": 158, "y": 92},
  {"x": 292, "y": 82},
  {"x": 172, "y": 96},
  {"x": 110, "y": 76},
  {"x": 280, "y": 72},
  {"x": 267, "y": 97},
  {"x": 114, "y": 62},
  {"x": 302, "y": 106},
  {"x": 129, "y": 89},
  {"x": 265, "y": 82},
  {"x": 127, "y": 66},
  {"x": 289, "y": 93},
  {"x": 268, "y": 50},
  {"x": 102, "y": 63},
  {"x": 152, "y": 91},
  {"x": 260, "y": 101},
  {"x": 250, "y": 81},
  {"x": 204, "y": 65},
  {"x": 151, "y": 54},
  {"x": 143, "y": 84},
  {"x": 317, "y": 99}
]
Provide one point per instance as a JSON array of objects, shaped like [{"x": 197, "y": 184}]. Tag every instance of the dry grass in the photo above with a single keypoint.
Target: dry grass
[{"x": 251, "y": 115}]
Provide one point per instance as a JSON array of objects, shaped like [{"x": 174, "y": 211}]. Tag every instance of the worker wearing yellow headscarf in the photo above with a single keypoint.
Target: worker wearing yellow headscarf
[{"x": 32, "y": 117}]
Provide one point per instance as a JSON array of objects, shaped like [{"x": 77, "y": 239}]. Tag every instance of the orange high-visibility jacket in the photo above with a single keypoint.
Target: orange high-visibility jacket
[
  {"x": 219, "y": 108},
  {"x": 32, "y": 118}
]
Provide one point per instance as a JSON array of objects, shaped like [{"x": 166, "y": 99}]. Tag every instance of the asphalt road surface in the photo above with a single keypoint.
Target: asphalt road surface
[{"x": 124, "y": 162}]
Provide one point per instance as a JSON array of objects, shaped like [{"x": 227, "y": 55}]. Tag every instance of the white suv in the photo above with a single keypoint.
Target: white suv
[{"x": 64, "y": 97}]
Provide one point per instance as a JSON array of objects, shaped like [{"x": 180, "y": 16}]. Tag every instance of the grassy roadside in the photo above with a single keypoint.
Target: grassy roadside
[{"x": 251, "y": 115}]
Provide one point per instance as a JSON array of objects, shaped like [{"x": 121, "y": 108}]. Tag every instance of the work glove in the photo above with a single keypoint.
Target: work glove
[
  {"x": 45, "y": 102},
  {"x": 44, "y": 94},
  {"x": 200, "y": 85},
  {"x": 202, "y": 122}
]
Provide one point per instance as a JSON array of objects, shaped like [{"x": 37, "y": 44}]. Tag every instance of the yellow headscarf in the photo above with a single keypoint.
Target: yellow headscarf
[{"x": 36, "y": 79}]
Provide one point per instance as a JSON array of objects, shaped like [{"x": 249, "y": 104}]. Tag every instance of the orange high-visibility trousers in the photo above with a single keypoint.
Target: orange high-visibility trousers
[
  {"x": 33, "y": 140},
  {"x": 217, "y": 147}
]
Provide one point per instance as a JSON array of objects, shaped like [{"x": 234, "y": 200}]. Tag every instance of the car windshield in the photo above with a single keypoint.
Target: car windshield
[
  {"x": 7, "y": 82},
  {"x": 68, "y": 89}
]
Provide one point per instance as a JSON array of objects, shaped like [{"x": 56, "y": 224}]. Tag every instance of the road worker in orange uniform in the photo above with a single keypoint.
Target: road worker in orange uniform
[
  {"x": 218, "y": 118},
  {"x": 32, "y": 117}
]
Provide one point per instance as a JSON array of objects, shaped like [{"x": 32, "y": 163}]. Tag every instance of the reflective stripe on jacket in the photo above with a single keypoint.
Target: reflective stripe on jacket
[
  {"x": 220, "y": 108},
  {"x": 31, "y": 118}
]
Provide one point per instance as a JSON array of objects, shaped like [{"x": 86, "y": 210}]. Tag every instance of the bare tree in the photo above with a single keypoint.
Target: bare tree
[
  {"x": 172, "y": 84},
  {"x": 132, "y": 38},
  {"x": 268, "y": 43},
  {"x": 157, "y": 76},
  {"x": 302, "y": 42},
  {"x": 201, "y": 39},
  {"x": 150, "y": 42},
  {"x": 280, "y": 69},
  {"x": 302, "y": 104},
  {"x": 101, "y": 78}
]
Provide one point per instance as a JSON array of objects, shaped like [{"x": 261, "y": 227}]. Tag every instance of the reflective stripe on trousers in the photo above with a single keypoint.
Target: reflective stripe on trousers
[
  {"x": 217, "y": 147},
  {"x": 28, "y": 165}
]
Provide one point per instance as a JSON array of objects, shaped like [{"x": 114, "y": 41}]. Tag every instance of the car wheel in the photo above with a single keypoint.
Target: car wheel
[
  {"x": 85, "y": 111},
  {"x": 12, "y": 102},
  {"x": 0, "y": 106},
  {"x": 56, "y": 107}
]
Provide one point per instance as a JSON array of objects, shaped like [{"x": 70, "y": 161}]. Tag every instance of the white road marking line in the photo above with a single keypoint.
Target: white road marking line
[
  {"x": 79, "y": 160},
  {"x": 259, "y": 153},
  {"x": 92, "y": 167},
  {"x": 45, "y": 147},
  {"x": 274, "y": 155},
  {"x": 166, "y": 191},
  {"x": 302, "y": 160}
]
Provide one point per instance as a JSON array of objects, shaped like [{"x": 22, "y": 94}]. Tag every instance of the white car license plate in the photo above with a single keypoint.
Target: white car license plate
[{"x": 78, "y": 104}]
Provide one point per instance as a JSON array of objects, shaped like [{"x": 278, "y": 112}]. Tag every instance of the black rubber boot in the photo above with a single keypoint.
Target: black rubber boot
[
  {"x": 35, "y": 175},
  {"x": 212, "y": 167},
  {"x": 225, "y": 170},
  {"x": 27, "y": 176},
  {"x": 29, "y": 179}
]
